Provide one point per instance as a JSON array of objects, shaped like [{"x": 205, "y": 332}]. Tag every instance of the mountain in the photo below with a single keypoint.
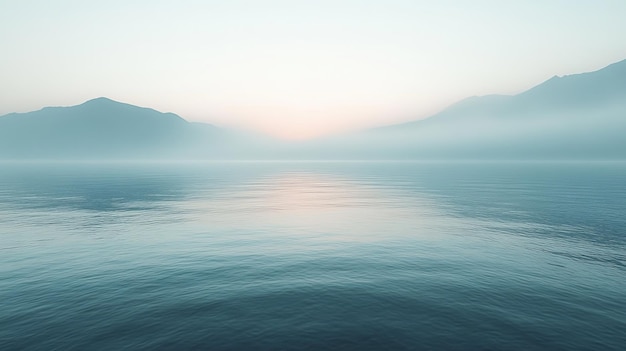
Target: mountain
[
  {"x": 97, "y": 128},
  {"x": 105, "y": 129},
  {"x": 581, "y": 116}
]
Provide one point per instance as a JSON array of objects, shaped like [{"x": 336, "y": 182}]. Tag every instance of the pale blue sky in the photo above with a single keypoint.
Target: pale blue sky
[{"x": 297, "y": 68}]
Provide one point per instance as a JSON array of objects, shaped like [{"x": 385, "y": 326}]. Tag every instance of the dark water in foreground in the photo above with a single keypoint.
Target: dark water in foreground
[{"x": 270, "y": 256}]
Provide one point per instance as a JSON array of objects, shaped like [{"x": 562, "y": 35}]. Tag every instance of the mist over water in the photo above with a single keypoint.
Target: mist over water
[{"x": 313, "y": 255}]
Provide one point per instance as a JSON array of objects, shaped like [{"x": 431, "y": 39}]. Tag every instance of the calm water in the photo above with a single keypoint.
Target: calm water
[{"x": 354, "y": 256}]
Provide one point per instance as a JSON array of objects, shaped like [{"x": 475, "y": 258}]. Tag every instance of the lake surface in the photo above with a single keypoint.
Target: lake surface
[{"x": 310, "y": 256}]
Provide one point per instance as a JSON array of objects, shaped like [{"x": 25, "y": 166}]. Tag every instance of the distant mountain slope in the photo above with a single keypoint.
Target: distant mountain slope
[
  {"x": 101, "y": 129},
  {"x": 577, "y": 116},
  {"x": 98, "y": 128},
  {"x": 587, "y": 90},
  {"x": 599, "y": 90},
  {"x": 581, "y": 116}
]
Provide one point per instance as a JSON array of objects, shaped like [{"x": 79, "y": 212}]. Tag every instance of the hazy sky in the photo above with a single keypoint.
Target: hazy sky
[{"x": 296, "y": 68}]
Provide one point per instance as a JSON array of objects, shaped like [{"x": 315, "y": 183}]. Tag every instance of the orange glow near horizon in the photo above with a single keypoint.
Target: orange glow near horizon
[{"x": 305, "y": 123}]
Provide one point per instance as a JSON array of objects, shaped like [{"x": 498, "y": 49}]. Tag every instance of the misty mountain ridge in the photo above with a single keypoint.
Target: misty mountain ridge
[
  {"x": 575, "y": 116},
  {"x": 572, "y": 117},
  {"x": 99, "y": 127},
  {"x": 605, "y": 88},
  {"x": 102, "y": 128}
]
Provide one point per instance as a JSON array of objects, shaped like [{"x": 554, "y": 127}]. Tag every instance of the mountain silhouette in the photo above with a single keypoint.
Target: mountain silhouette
[
  {"x": 599, "y": 90},
  {"x": 99, "y": 128},
  {"x": 581, "y": 116},
  {"x": 571, "y": 117}
]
